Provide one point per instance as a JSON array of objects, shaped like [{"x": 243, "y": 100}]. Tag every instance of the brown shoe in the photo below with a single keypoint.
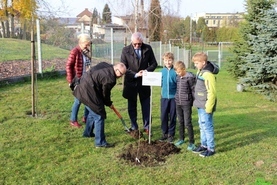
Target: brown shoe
[{"x": 75, "y": 124}]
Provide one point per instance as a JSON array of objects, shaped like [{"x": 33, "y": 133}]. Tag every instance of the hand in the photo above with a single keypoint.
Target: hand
[{"x": 111, "y": 107}]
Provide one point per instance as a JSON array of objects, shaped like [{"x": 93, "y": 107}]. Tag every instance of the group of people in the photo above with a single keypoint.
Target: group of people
[{"x": 180, "y": 91}]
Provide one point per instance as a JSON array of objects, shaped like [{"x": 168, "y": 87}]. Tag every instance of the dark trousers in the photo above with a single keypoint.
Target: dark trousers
[
  {"x": 132, "y": 111},
  {"x": 168, "y": 116},
  {"x": 184, "y": 118}
]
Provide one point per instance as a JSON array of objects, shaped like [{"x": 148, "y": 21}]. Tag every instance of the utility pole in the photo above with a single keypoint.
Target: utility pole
[{"x": 136, "y": 15}]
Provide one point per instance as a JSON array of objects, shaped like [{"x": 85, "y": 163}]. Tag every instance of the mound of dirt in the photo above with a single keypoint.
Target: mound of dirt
[{"x": 145, "y": 154}]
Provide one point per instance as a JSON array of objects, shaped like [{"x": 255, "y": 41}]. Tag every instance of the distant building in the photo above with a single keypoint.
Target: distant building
[{"x": 218, "y": 20}]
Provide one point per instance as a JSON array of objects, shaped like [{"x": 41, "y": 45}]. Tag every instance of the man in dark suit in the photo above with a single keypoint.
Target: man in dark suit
[{"x": 138, "y": 57}]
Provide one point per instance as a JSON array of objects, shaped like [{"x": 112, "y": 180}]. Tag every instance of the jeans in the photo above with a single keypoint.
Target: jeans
[
  {"x": 75, "y": 110},
  {"x": 168, "y": 116},
  {"x": 205, "y": 121},
  {"x": 96, "y": 122},
  {"x": 184, "y": 118},
  {"x": 132, "y": 111}
]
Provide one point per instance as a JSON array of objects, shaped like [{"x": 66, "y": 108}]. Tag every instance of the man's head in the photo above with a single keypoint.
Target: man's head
[
  {"x": 200, "y": 60},
  {"x": 84, "y": 41},
  {"x": 168, "y": 59},
  {"x": 180, "y": 68},
  {"x": 119, "y": 69},
  {"x": 137, "y": 40}
]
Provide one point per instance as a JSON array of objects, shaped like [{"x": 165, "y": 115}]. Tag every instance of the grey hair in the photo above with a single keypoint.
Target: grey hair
[
  {"x": 137, "y": 35},
  {"x": 83, "y": 37}
]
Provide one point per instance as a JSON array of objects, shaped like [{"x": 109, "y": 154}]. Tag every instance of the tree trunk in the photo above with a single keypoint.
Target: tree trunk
[
  {"x": 3, "y": 29},
  {"x": 12, "y": 26}
]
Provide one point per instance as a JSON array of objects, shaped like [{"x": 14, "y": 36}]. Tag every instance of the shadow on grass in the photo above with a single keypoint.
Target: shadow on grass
[{"x": 235, "y": 134}]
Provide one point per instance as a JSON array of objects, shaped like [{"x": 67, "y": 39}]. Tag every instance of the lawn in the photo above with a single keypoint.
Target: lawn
[
  {"x": 46, "y": 150},
  {"x": 15, "y": 49}
]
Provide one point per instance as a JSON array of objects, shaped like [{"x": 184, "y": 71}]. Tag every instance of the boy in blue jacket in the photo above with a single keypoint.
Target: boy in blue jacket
[{"x": 168, "y": 105}]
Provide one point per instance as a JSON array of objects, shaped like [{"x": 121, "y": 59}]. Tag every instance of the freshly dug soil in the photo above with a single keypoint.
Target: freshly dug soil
[{"x": 144, "y": 154}]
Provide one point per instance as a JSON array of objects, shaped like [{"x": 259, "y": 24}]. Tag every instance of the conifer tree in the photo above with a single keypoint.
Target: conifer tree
[
  {"x": 261, "y": 62},
  {"x": 107, "y": 15},
  {"x": 241, "y": 46},
  {"x": 155, "y": 21}
]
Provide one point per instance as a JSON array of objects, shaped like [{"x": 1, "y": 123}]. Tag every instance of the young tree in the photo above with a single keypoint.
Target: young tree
[
  {"x": 241, "y": 46},
  {"x": 260, "y": 64},
  {"x": 107, "y": 15},
  {"x": 155, "y": 21}
]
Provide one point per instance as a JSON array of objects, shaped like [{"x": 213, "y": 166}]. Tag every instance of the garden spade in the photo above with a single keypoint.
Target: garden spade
[{"x": 122, "y": 120}]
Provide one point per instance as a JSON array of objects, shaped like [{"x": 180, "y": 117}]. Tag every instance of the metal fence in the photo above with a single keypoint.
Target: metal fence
[{"x": 112, "y": 51}]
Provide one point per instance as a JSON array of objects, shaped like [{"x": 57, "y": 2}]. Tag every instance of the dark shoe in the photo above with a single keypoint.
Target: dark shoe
[
  {"x": 107, "y": 145},
  {"x": 84, "y": 119},
  {"x": 92, "y": 135},
  {"x": 199, "y": 149},
  {"x": 163, "y": 138},
  {"x": 75, "y": 124},
  {"x": 170, "y": 139},
  {"x": 207, "y": 153}
]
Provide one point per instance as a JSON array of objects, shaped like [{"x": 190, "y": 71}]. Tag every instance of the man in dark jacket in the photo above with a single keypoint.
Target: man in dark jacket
[
  {"x": 94, "y": 91},
  {"x": 138, "y": 57}
]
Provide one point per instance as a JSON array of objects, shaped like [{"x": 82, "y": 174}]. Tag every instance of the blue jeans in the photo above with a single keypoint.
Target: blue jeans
[
  {"x": 96, "y": 122},
  {"x": 206, "y": 126},
  {"x": 75, "y": 110}
]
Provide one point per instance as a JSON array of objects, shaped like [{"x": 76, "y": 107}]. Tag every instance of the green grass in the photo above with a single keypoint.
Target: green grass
[
  {"x": 46, "y": 150},
  {"x": 15, "y": 49}
]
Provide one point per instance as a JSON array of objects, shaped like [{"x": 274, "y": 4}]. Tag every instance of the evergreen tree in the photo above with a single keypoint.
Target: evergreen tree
[
  {"x": 241, "y": 46},
  {"x": 94, "y": 16},
  {"x": 260, "y": 64},
  {"x": 107, "y": 15},
  {"x": 155, "y": 21}
]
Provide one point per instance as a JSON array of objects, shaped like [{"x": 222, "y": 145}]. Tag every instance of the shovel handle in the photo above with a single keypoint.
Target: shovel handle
[{"x": 116, "y": 112}]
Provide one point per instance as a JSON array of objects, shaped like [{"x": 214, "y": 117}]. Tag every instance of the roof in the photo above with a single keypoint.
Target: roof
[
  {"x": 67, "y": 20},
  {"x": 85, "y": 12}
]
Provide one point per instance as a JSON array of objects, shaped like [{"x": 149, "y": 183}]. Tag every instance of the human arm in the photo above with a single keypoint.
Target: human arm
[
  {"x": 211, "y": 91},
  {"x": 70, "y": 63}
]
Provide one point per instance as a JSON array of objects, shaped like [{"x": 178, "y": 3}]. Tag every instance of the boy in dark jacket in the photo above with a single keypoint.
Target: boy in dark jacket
[
  {"x": 184, "y": 99},
  {"x": 94, "y": 91}
]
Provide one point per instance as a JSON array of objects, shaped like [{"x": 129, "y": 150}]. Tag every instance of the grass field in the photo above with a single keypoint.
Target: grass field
[
  {"x": 15, "y": 49},
  {"x": 46, "y": 150}
]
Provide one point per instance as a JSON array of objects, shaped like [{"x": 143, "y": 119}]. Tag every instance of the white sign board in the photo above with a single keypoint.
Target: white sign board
[{"x": 152, "y": 79}]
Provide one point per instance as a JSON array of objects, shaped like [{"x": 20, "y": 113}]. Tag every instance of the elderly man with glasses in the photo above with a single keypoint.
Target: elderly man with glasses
[
  {"x": 138, "y": 58},
  {"x": 94, "y": 91}
]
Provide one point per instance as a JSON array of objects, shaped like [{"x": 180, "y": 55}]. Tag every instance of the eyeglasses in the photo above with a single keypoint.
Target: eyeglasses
[
  {"x": 120, "y": 72},
  {"x": 137, "y": 44}
]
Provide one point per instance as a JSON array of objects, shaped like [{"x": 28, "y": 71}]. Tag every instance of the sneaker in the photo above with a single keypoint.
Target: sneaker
[
  {"x": 75, "y": 124},
  {"x": 84, "y": 119},
  {"x": 107, "y": 145},
  {"x": 191, "y": 147},
  {"x": 180, "y": 142},
  {"x": 207, "y": 153},
  {"x": 200, "y": 149},
  {"x": 163, "y": 138},
  {"x": 170, "y": 139}
]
